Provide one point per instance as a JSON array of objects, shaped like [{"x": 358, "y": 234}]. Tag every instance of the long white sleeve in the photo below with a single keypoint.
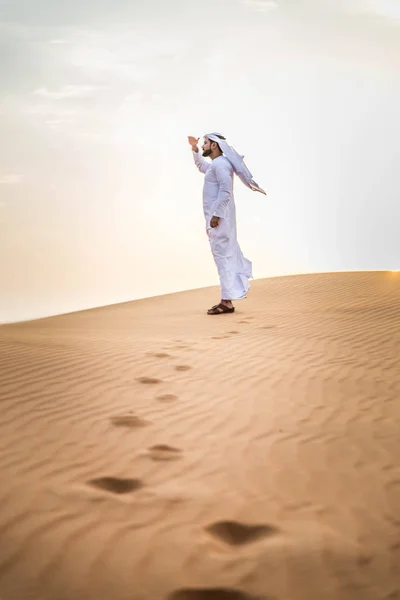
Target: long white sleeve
[
  {"x": 200, "y": 162},
  {"x": 224, "y": 176}
]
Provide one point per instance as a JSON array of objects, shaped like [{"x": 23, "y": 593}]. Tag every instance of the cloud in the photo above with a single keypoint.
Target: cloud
[
  {"x": 385, "y": 8},
  {"x": 58, "y": 42},
  {"x": 262, "y": 5},
  {"x": 68, "y": 91},
  {"x": 120, "y": 57},
  {"x": 10, "y": 178},
  {"x": 96, "y": 78}
]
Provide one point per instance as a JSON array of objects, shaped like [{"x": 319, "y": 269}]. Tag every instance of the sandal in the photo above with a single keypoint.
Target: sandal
[{"x": 219, "y": 309}]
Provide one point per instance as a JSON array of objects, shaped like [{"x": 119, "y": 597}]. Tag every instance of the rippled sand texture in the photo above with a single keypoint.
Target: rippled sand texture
[{"x": 149, "y": 451}]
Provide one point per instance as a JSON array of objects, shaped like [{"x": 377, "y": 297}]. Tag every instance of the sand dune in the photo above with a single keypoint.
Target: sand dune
[{"x": 149, "y": 451}]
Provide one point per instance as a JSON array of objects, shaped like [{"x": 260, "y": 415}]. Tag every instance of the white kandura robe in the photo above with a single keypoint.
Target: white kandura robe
[{"x": 234, "y": 269}]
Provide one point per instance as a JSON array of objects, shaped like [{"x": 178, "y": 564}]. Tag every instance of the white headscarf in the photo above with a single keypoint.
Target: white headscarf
[{"x": 236, "y": 161}]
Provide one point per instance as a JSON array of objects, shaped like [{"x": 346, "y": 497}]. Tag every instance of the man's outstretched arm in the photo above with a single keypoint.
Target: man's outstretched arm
[{"x": 199, "y": 161}]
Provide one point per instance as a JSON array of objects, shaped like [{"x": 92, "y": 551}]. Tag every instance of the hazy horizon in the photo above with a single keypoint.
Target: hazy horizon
[{"x": 100, "y": 202}]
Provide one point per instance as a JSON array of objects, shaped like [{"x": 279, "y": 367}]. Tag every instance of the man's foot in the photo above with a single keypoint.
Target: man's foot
[
  {"x": 220, "y": 309},
  {"x": 227, "y": 303}
]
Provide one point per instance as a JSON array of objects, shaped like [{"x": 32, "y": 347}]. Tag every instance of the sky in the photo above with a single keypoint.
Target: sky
[{"x": 100, "y": 202}]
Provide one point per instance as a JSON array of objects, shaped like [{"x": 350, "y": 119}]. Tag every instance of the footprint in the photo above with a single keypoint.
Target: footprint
[
  {"x": 182, "y": 368},
  {"x": 364, "y": 560},
  {"x": 393, "y": 596},
  {"x": 148, "y": 380},
  {"x": 233, "y": 332},
  {"x": 238, "y": 534},
  {"x": 268, "y": 327},
  {"x": 161, "y": 355},
  {"x": 211, "y": 594},
  {"x": 129, "y": 421},
  {"x": 116, "y": 485},
  {"x": 167, "y": 398},
  {"x": 164, "y": 452}
]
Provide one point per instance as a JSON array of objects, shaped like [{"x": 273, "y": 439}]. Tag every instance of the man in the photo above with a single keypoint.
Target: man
[{"x": 220, "y": 213}]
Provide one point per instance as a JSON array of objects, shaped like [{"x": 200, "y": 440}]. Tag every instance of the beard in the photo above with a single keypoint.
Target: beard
[{"x": 206, "y": 153}]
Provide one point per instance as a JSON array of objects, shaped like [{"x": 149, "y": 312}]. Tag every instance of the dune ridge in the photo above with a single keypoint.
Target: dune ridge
[{"x": 149, "y": 451}]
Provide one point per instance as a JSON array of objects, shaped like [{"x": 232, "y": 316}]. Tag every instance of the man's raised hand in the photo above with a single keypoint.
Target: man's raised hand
[{"x": 193, "y": 142}]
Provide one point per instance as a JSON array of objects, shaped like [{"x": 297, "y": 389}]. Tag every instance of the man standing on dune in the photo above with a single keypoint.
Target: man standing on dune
[{"x": 234, "y": 269}]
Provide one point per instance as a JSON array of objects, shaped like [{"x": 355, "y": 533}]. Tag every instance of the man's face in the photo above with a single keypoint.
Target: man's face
[{"x": 206, "y": 147}]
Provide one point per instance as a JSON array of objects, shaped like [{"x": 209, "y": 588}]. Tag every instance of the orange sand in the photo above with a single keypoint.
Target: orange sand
[{"x": 149, "y": 451}]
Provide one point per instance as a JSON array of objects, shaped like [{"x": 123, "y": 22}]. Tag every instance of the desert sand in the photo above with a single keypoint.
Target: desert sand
[{"x": 149, "y": 451}]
